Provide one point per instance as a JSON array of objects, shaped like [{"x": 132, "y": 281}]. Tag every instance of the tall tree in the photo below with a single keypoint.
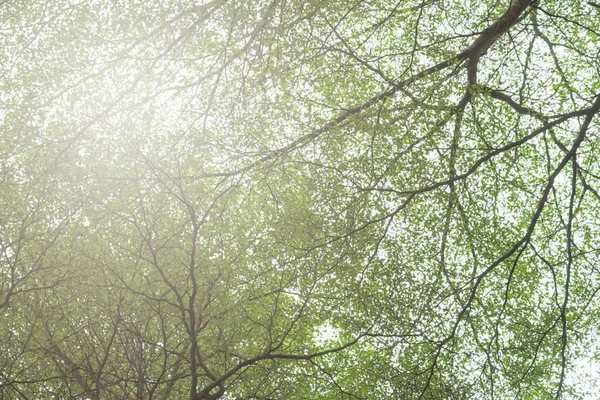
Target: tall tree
[{"x": 295, "y": 200}]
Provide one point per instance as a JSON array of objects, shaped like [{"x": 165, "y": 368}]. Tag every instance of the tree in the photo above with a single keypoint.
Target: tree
[{"x": 298, "y": 200}]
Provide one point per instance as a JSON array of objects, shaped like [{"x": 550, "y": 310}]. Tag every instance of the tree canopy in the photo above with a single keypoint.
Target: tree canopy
[{"x": 290, "y": 199}]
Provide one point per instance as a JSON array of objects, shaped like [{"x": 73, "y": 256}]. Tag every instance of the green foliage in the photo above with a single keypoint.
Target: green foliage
[{"x": 298, "y": 200}]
